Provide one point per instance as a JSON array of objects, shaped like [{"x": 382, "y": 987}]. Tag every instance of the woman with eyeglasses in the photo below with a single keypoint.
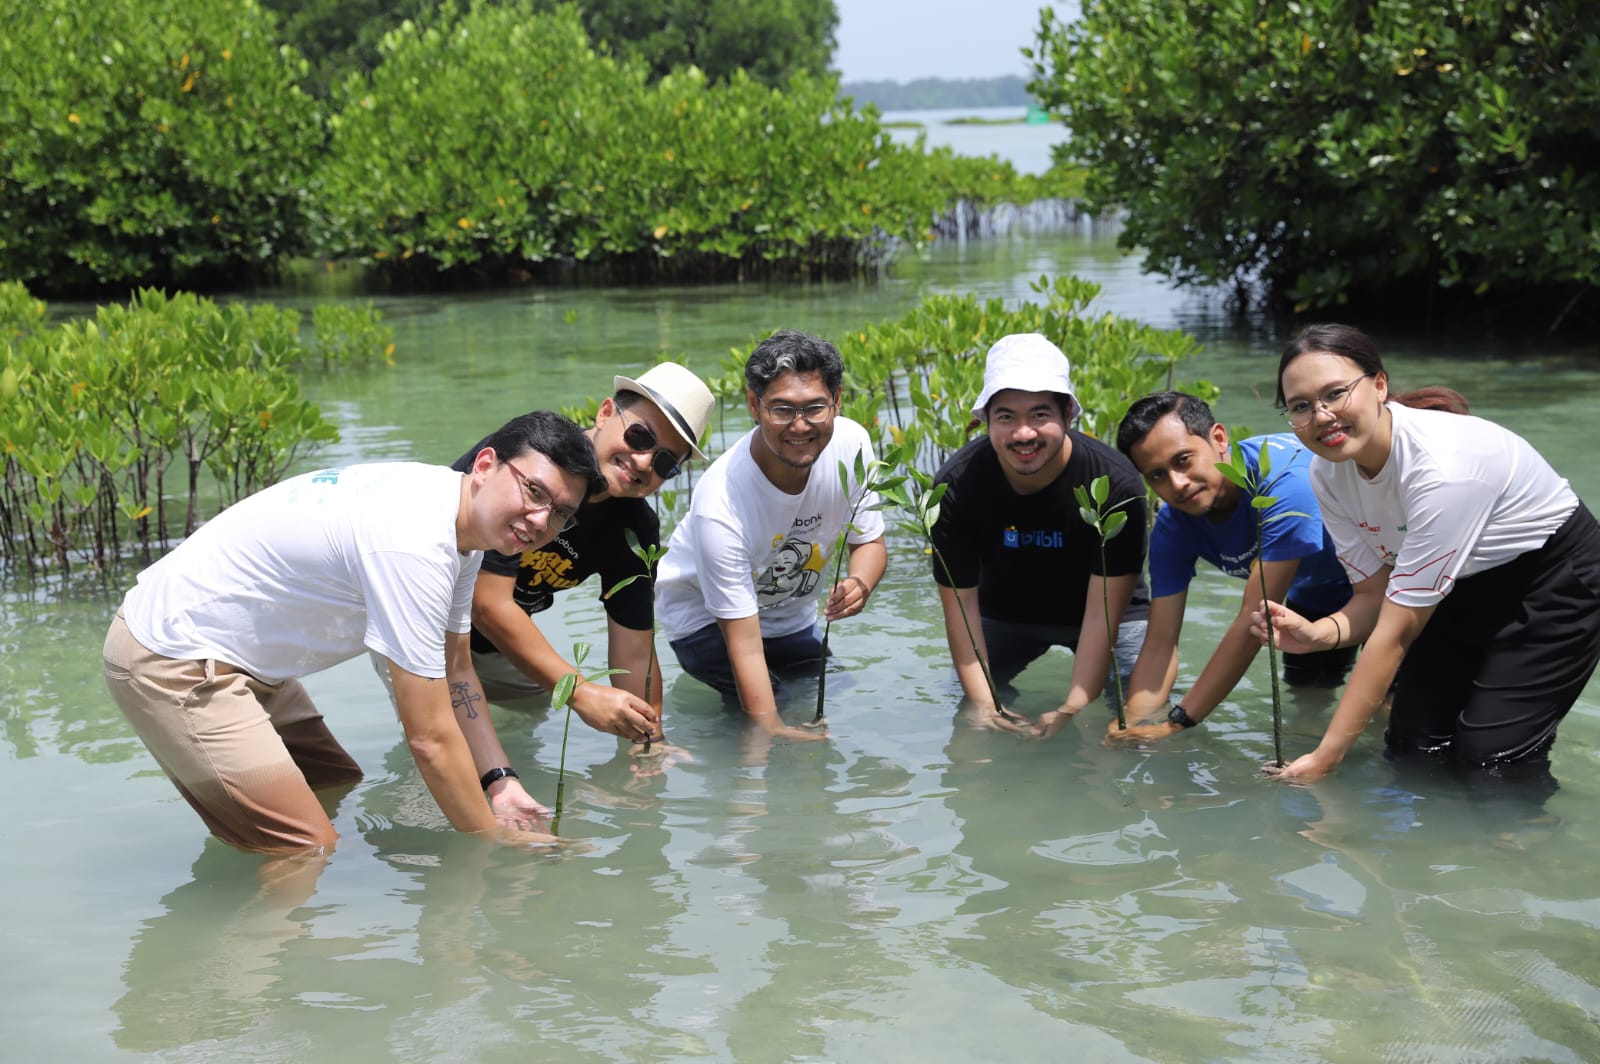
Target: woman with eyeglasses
[{"x": 1475, "y": 568}]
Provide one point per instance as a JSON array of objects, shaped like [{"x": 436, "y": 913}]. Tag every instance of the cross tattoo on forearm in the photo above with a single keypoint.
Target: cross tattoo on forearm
[{"x": 463, "y": 697}]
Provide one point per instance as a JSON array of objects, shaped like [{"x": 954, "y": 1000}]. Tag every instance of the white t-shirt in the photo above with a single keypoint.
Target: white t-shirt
[
  {"x": 309, "y": 572},
  {"x": 747, "y": 548},
  {"x": 1459, "y": 495}
]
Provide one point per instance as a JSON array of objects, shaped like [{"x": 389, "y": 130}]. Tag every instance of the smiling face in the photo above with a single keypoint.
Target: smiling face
[
  {"x": 629, "y": 473},
  {"x": 1348, "y": 421},
  {"x": 1182, "y": 468},
  {"x": 785, "y": 446},
  {"x": 516, "y": 505},
  {"x": 1029, "y": 433}
]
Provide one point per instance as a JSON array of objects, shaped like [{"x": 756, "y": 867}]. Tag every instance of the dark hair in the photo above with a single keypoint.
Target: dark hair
[
  {"x": 1358, "y": 347},
  {"x": 553, "y": 436},
  {"x": 1144, "y": 413},
  {"x": 790, "y": 351}
]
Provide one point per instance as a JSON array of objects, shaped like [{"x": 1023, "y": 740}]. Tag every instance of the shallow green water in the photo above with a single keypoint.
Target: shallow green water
[{"x": 912, "y": 890}]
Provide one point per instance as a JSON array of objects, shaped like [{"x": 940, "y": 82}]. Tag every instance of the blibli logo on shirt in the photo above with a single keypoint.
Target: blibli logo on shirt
[{"x": 1043, "y": 537}]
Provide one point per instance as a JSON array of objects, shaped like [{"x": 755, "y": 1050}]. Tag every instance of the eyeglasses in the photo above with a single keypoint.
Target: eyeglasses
[
  {"x": 785, "y": 413},
  {"x": 1300, "y": 412},
  {"x": 639, "y": 438},
  {"x": 539, "y": 500}
]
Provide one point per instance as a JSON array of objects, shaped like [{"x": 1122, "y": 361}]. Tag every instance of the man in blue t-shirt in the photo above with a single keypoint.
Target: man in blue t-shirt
[{"x": 1175, "y": 443}]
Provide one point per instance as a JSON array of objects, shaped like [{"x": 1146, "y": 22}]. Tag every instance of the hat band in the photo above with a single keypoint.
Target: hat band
[{"x": 678, "y": 420}]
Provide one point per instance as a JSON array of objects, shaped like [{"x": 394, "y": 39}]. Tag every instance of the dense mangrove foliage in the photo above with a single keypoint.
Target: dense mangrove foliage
[
  {"x": 120, "y": 431},
  {"x": 178, "y": 145},
  {"x": 912, "y": 382},
  {"x": 1396, "y": 153},
  {"x": 771, "y": 40},
  {"x": 146, "y": 142}
]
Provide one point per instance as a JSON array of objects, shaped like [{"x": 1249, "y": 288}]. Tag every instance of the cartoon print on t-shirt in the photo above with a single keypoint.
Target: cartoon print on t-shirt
[{"x": 795, "y": 571}]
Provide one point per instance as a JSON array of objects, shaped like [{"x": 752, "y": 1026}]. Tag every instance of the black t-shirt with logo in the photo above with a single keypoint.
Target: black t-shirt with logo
[
  {"x": 597, "y": 544},
  {"x": 1031, "y": 556}
]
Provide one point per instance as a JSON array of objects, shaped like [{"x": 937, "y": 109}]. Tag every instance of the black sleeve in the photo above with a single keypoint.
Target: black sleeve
[
  {"x": 501, "y": 564},
  {"x": 1125, "y": 553},
  {"x": 634, "y": 606},
  {"x": 952, "y": 534}
]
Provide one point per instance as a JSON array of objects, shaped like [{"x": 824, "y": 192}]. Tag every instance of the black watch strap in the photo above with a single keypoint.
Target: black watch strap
[
  {"x": 498, "y": 774},
  {"x": 1180, "y": 716}
]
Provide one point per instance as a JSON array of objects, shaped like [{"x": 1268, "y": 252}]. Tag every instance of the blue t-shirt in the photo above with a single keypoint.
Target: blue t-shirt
[{"x": 1179, "y": 539}]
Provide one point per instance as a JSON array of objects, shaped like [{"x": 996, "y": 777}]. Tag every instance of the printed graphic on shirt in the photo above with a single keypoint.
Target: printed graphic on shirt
[
  {"x": 543, "y": 573},
  {"x": 1044, "y": 538},
  {"x": 795, "y": 571}
]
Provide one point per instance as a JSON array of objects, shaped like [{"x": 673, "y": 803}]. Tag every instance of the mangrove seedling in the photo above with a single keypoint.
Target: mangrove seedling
[
  {"x": 651, "y": 557},
  {"x": 869, "y": 478},
  {"x": 561, "y": 698},
  {"x": 1106, "y": 521},
  {"x": 1258, "y": 486},
  {"x": 917, "y": 497}
]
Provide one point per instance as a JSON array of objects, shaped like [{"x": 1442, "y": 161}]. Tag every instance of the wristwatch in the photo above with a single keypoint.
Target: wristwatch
[
  {"x": 495, "y": 775},
  {"x": 1180, "y": 716}
]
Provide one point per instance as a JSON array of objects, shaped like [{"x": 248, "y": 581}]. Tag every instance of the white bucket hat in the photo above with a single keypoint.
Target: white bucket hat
[
  {"x": 677, "y": 393},
  {"x": 1026, "y": 362}
]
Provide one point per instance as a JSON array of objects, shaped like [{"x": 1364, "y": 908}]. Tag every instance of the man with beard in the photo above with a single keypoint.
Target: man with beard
[
  {"x": 739, "y": 586},
  {"x": 1020, "y": 556},
  {"x": 1175, "y": 443}
]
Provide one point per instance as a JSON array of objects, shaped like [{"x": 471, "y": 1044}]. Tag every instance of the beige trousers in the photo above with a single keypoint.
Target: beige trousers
[{"x": 245, "y": 754}]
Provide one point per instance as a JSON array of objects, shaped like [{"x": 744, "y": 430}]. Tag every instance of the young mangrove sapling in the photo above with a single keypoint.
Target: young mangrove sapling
[
  {"x": 917, "y": 497},
  {"x": 1257, "y": 485},
  {"x": 561, "y": 698},
  {"x": 869, "y": 479},
  {"x": 1107, "y": 521}
]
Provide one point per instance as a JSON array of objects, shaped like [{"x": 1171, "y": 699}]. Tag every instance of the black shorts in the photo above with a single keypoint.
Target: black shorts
[{"x": 1505, "y": 655}]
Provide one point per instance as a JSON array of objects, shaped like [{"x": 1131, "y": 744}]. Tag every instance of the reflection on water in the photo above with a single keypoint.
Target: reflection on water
[{"x": 911, "y": 890}]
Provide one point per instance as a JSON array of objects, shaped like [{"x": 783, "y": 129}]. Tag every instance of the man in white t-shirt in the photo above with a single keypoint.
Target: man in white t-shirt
[
  {"x": 737, "y": 592},
  {"x": 205, "y": 654}
]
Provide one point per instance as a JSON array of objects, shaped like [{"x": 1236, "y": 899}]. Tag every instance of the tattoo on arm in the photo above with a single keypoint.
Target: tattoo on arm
[{"x": 463, "y": 697}]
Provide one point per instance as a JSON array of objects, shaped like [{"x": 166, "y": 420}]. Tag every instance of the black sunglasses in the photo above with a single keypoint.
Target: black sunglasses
[{"x": 639, "y": 438}]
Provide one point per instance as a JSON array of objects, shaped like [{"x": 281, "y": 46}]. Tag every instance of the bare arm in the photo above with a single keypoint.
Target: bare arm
[
  {"x": 1091, "y": 659},
  {"x": 748, "y": 656},
  {"x": 1154, "y": 672},
  {"x": 616, "y": 709},
  {"x": 510, "y": 802},
  {"x": 867, "y": 564},
  {"x": 630, "y": 650},
  {"x": 440, "y": 749},
  {"x": 970, "y": 655},
  {"x": 1103, "y": 604},
  {"x": 1342, "y": 628},
  {"x": 1396, "y": 629}
]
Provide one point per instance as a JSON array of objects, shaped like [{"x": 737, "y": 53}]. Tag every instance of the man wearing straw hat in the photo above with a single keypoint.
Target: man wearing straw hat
[
  {"x": 744, "y": 571},
  {"x": 1020, "y": 556},
  {"x": 642, "y": 435}
]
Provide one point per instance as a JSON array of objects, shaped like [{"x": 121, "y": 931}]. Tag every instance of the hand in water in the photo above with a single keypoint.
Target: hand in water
[
  {"x": 656, "y": 759},
  {"x": 1145, "y": 730}
]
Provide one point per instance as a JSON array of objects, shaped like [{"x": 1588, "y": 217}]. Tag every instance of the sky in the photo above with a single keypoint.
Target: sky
[{"x": 900, "y": 40}]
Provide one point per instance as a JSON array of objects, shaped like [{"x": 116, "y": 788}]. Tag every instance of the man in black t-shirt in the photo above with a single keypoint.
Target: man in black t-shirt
[
  {"x": 642, "y": 436},
  {"x": 1020, "y": 556}
]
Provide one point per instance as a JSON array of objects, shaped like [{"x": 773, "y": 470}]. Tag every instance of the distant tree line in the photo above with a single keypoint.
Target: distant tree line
[{"x": 926, "y": 94}]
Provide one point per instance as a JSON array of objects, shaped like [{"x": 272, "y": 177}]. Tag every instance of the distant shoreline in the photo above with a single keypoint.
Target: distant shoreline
[{"x": 939, "y": 94}]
